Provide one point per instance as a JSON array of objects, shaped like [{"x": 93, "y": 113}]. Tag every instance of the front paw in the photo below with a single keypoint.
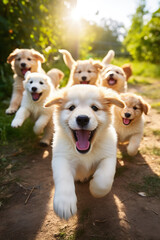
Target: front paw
[
  {"x": 16, "y": 123},
  {"x": 132, "y": 151},
  {"x": 11, "y": 111},
  {"x": 37, "y": 130},
  {"x": 65, "y": 205},
  {"x": 98, "y": 189}
]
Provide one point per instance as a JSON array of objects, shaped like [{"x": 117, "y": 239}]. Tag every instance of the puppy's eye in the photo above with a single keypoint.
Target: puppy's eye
[
  {"x": 31, "y": 82},
  {"x": 18, "y": 59},
  {"x": 79, "y": 71},
  {"x": 41, "y": 83},
  {"x": 117, "y": 72},
  {"x": 135, "y": 108},
  {"x": 94, "y": 108},
  {"x": 29, "y": 59},
  {"x": 89, "y": 71},
  {"x": 71, "y": 108}
]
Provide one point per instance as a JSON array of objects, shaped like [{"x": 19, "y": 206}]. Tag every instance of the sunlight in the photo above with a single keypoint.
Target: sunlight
[{"x": 76, "y": 14}]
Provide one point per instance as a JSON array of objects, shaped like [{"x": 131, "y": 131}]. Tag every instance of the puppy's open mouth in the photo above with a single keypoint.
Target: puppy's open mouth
[
  {"x": 84, "y": 82},
  {"x": 83, "y": 140},
  {"x": 126, "y": 121},
  {"x": 112, "y": 81},
  {"x": 24, "y": 70},
  {"x": 36, "y": 96}
]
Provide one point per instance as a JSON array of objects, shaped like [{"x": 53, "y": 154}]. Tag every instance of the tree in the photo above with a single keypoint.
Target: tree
[{"x": 134, "y": 35}]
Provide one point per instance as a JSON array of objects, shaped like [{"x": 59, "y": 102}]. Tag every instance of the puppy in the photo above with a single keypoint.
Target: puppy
[
  {"x": 22, "y": 60},
  {"x": 38, "y": 89},
  {"x": 84, "y": 143},
  {"x": 114, "y": 77},
  {"x": 129, "y": 121},
  {"x": 82, "y": 71}
]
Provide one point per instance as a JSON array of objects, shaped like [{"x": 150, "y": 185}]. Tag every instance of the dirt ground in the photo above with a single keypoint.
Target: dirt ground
[{"x": 122, "y": 214}]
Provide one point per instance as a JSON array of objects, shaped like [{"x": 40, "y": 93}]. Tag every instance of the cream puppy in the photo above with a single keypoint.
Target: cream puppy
[
  {"x": 114, "y": 77},
  {"x": 129, "y": 121},
  {"x": 82, "y": 71},
  {"x": 38, "y": 89},
  {"x": 22, "y": 60},
  {"x": 84, "y": 143}
]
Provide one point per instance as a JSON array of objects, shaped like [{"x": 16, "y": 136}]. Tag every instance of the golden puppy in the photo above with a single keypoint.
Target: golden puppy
[
  {"x": 38, "y": 88},
  {"x": 82, "y": 71},
  {"x": 129, "y": 121},
  {"x": 22, "y": 60},
  {"x": 84, "y": 143},
  {"x": 114, "y": 77}
]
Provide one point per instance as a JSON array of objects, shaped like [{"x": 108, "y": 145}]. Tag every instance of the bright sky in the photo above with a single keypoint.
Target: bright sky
[{"x": 119, "y": 10}]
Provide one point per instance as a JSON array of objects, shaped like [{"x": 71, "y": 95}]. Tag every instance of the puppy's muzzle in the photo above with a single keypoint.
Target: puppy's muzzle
[
  {"x": 35, "y": 95},
  {"x": 82, "y": 120},
  {"x": 127, "y": 115},
  {"x": 34, "y": 89},
  {"x": 126, "y": 120},
  {"x": 23, "y": 65}
]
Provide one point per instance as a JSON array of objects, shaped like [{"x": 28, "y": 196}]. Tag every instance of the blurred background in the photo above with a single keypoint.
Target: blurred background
[{"x": 86, "y": 28}]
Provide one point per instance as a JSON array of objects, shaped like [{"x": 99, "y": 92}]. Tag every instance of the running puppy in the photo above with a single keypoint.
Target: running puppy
[
  {"x": 114, "y": 77},
  {"x": 83, "y": 129},
  {"x": 129, "y": 121},
  {"x": 81, "y": 71},
  {"x": 38, "y": 89},
  {"x": 22, "y": 60}
]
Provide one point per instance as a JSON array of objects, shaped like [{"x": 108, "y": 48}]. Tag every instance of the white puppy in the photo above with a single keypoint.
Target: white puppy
[
  {"x": 38, "y": 89},
  {"x": 84, "y": 143}
]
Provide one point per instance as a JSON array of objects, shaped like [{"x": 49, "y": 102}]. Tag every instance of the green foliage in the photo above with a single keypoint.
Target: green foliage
[{"x": 143, "y": 39}]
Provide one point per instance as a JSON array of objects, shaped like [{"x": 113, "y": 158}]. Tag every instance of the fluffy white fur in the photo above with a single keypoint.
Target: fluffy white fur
[
  {"x": 38, "y": 89},
  {"x": 70, "y": 162},
  {"x": 129, "y": 121}
]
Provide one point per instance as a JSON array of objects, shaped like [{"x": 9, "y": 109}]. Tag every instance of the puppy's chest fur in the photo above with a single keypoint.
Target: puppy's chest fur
[{"x": 125, "y": 132}]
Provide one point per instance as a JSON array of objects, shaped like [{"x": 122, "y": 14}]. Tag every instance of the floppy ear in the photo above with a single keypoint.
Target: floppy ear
[
  {"x": 115, "y": 101},
  {"x": 38, "y": 55},
  {"x": 108, "y": 58},
  {"x": 67, "y": 57},
  {"x": 97, "y": 65},
  {"x": 145, "y": 106},
  {"x": 127, "y": 69},
  {"x": 54, "y": 101},
  {"x": 12, "y": 55},
  {"x": 27, "y": 74}
]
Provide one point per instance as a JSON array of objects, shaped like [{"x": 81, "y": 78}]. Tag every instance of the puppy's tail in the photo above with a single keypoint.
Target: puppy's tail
[
  {"x": 108, "y": 58},
  {"x": 56, "y": 76}
]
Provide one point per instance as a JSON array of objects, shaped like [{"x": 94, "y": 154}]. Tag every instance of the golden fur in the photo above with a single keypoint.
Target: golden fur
[
  {"x": 81, "y": 71},
  {"x": 114, "y": 77},
  {"x": 22, "y": 60},
  {"x": 83, "y": 129},
  {"x": 129, "y": 121}
]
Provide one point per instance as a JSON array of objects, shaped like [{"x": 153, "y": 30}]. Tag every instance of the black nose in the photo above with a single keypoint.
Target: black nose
[
  {"x": 127, "y": 115},
  {"x": 84, "y": 78},
  {"x": 82, "y": 120},
  {"x": 34, "y": 89},
  {"x": 23, "y": 65},
  {"x": 111, "y": 75}
]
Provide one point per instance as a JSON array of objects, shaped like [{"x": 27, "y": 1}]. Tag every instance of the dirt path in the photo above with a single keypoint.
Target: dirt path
[{"x": 122, "y": 214}]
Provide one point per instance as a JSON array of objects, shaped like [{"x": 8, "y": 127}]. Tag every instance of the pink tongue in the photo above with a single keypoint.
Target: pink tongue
[
  {"x": 84, "y": 82},
  {"x": 24, "y": 71},
  {"x": 126, "y": 121},
  {"x": 35, "y": 96},
  {"x": 82, "y": 142},
  {"x": 111, "y": 81}
]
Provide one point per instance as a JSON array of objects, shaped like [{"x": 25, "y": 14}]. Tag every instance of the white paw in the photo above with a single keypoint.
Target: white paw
[
  {"x": 98, "y": 189},
  {"x": 65, "y": 205},
  {"x": 16, "y": 123},
  {"x": 10, "y": 111},
  {"x": 37, "y": 130},
  {"x": 132, "y": 151}
]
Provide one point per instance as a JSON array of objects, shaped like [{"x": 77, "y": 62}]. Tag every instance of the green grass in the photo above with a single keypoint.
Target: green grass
[
  {"x": 156, "y": 132},
  {"x": 150, "y": 185}
]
